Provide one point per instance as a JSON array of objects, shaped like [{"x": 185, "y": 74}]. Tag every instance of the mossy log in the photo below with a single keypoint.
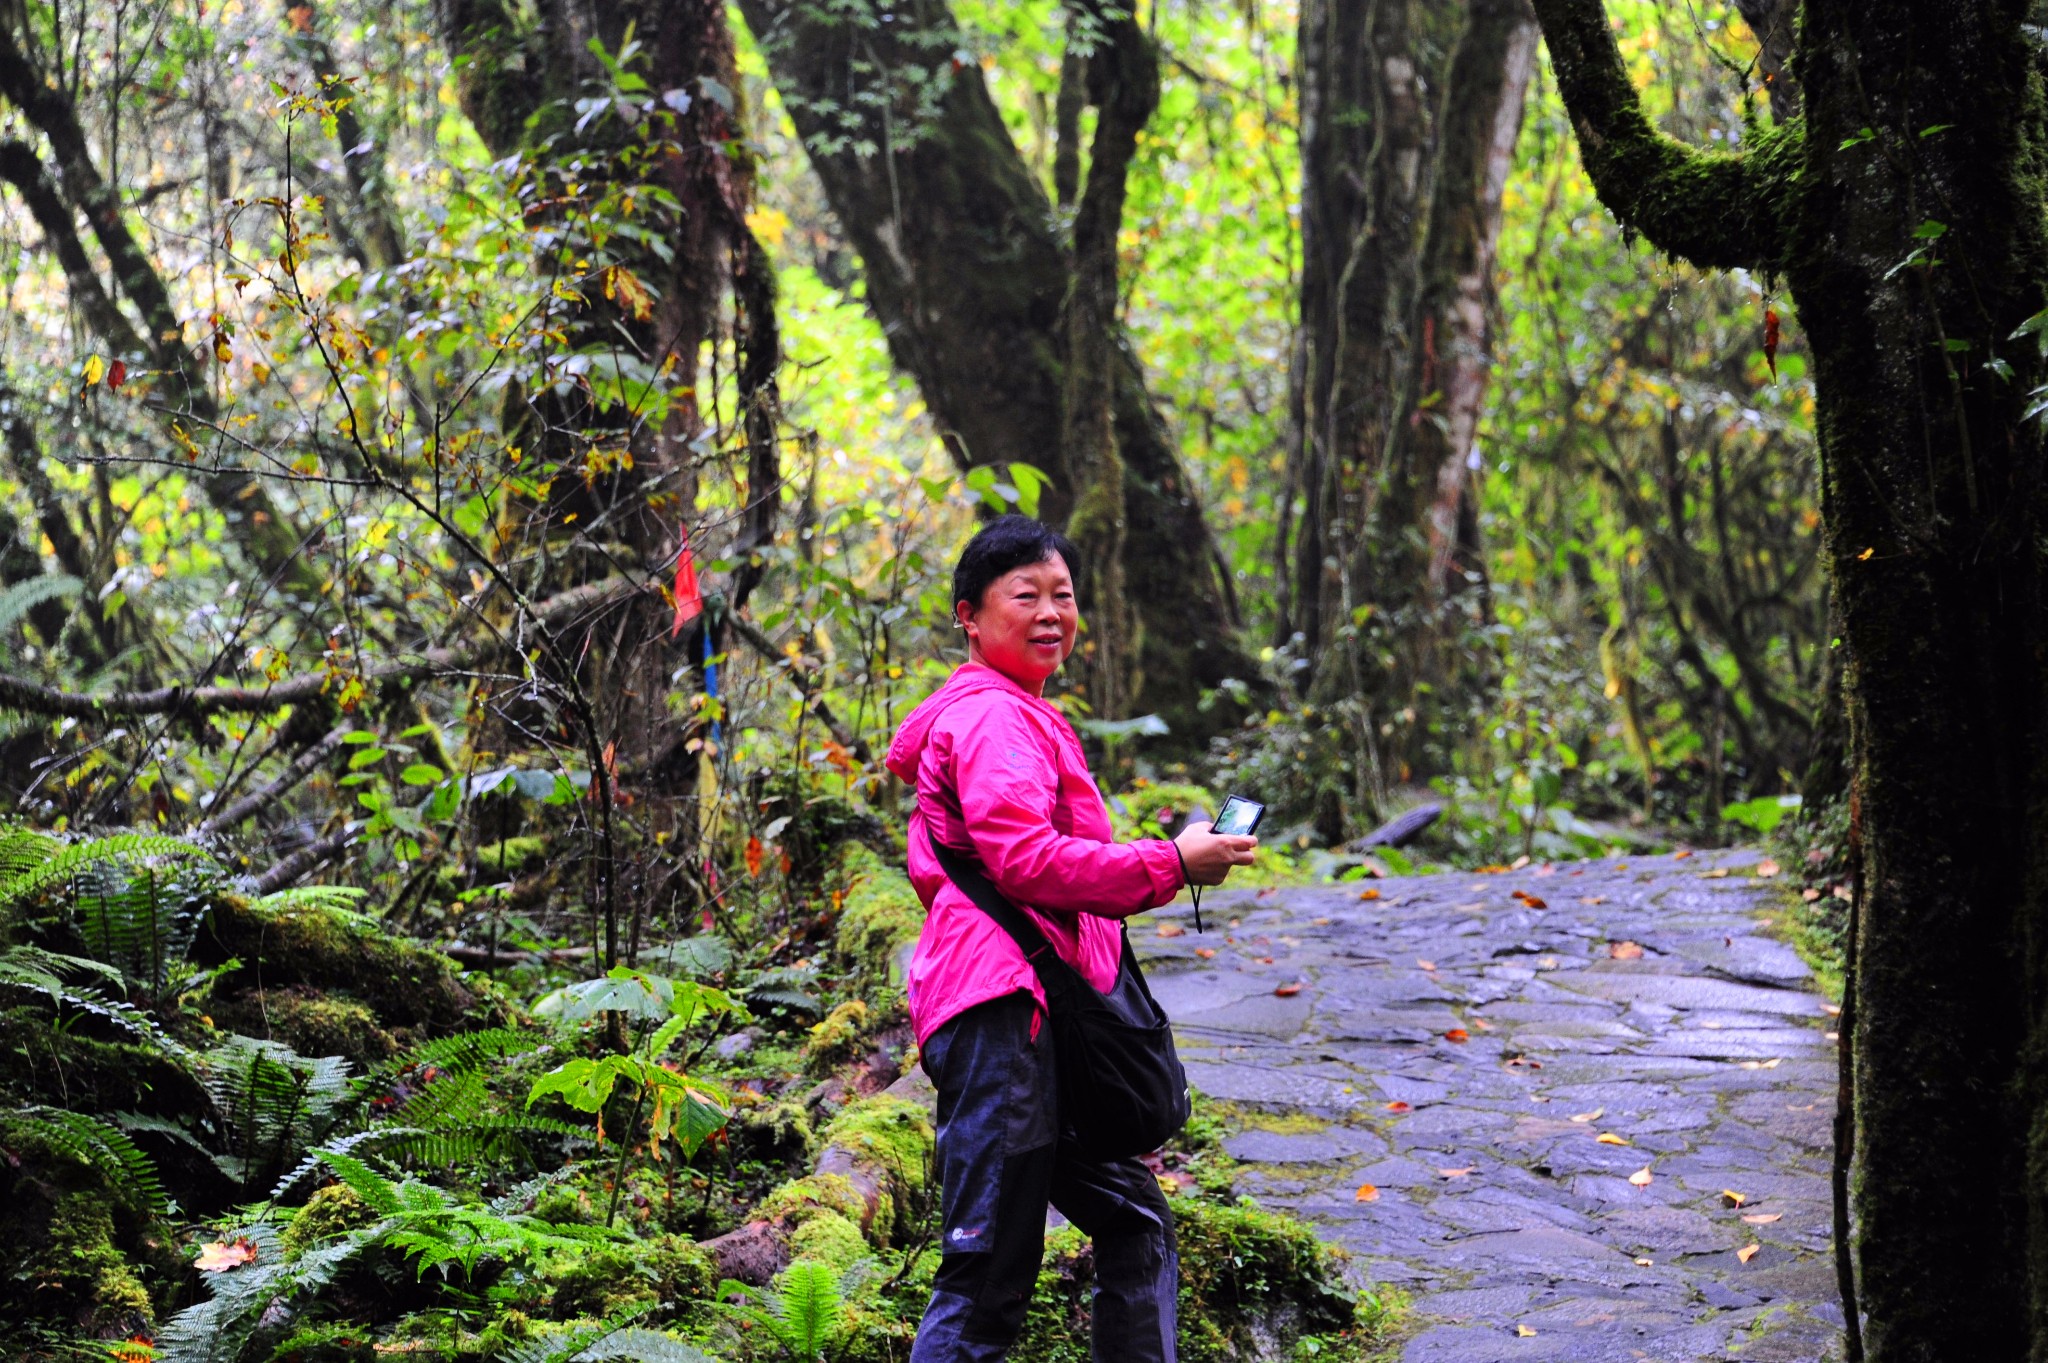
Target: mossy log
[
  {"x": 329, "y": 986},
  {"x": 864, "y": 1190}
]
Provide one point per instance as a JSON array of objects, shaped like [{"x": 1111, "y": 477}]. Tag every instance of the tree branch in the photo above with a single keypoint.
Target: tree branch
[
  {"x": 1715, "y": 209},
  {"x": 302, "y": 766},
  {"x": 17, "y": 693}
]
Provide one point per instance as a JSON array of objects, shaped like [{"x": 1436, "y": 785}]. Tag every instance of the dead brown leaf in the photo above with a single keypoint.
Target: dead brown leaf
[
  {"x": 1288, "y": 991},
  {"x": 1764, "y": 1218},
  {"x": 1625, "y": 951},
  {"x": 1609, "y": 1138},
  {"x": 220, "y": 1255},
  {"x": 1368, "y": 894},
  {"x": 1172, "y": 930},
  {"x": 1206, "y": 953},
  {"x": 1458, "y": 1034}
]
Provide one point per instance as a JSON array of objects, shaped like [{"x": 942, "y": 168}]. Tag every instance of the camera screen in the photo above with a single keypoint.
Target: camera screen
[{"x": 1238, "y": 817}]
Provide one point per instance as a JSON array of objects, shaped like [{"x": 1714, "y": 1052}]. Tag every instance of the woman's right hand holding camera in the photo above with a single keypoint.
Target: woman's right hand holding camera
[{"x": 1209, "y": 856}]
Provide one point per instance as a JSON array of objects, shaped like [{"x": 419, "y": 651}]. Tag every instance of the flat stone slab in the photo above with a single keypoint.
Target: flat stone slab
[{"x": 1497, "y": 1075}]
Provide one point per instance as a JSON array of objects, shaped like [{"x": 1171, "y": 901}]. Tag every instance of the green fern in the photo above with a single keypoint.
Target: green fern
[
  {"x": 139, "y": 921},
  {"x": 806, "y": 1314},
  {"x": 341, "y": 902},
  {"x": 64, "y": 861},
  {"x": 274, "y": 1103},
  {"x": 612, "y": 1339},
  {"x": 104, "y": 1148},
  {"x": 24, "y": 596}
]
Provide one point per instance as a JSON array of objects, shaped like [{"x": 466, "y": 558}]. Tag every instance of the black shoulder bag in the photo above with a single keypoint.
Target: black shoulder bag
[{"x": 1122, "y": 1090}]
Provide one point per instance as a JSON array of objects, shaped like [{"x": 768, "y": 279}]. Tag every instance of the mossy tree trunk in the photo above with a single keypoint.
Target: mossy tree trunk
[
  {"x": 1120, "y": 74},
  {"x": 1905, "y": 212},
  {"x": 1409, "y": 118},
  {"x": 965, "y": 269}
]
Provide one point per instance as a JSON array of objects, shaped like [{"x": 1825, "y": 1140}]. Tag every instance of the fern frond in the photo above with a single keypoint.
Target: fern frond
[
  {"x": 379, "y": 1192},
  {"x": 75, "y": 858},
  {"x": 337, "y": 901},
  {"x": 641, "y": 1346},
  {"x": 24, "y": 596},
  {"x": 102, "y": 1147},
  {"x": 812, "y": 1312},
  {"x": 274, "y": 1101}
]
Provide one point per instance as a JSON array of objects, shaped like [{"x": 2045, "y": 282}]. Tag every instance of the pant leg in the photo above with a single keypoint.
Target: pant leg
[
  {"x": 996, "y": 1147},
  {"x": 1119, "y": 1205}
]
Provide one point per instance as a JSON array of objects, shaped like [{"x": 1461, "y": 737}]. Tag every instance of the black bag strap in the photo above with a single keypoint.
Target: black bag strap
[{"x": 975, "y": 884}]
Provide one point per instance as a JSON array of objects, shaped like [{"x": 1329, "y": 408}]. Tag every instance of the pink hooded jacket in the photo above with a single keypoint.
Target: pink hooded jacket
[{"x": 1000, "y": 775}]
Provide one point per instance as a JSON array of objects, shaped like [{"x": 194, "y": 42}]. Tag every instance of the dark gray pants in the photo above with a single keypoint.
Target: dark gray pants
[{"x": 1000, "y": 1161}]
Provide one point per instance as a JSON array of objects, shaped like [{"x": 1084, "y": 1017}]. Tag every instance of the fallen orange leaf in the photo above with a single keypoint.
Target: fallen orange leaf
[
  {"x": 1718, "y": 873},
  {"x": 1748, "y": 1252},
  {"x": 1609, "y": 1138},
  {"x": 1458, "y": 1034},
  {"x": 1398, "y": 1106},
  {"x": 1172, "y": 930},
  {"x": 1764, "y": 1218},
  {"x": 1492, "y": 871},
  {"x": 221, "y": 1255},
  {"x": 1681, "y": 853},
  {"x": 1206, "y": 953},
  {"x": 1767, "y": 868},
  {"x": 1263, "y": 960},
  {"x": 1733, "y": 1198},
  {"x": 1592, "y": 899},
  {"x": 755, "y": 853},
  {"x": 1426, "y": 965},
  {"x": 1457, "y": 1173},
  {"x": 1534, "y": 902},
  {"x": 1288, "y": 991},
  {"x": 1368, "y": 1193},
  {"x": 1368, "y": 894},
  {"x": 1482, "y": 1024},
  {"x": 1625, "y": 951},
  {"x": 1641, "y": 1177}
]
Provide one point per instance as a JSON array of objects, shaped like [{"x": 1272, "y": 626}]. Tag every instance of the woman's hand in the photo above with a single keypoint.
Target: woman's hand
[{"x": 1209, "y": 856}]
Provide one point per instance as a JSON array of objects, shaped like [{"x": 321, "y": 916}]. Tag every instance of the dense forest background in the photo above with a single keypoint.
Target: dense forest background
[{"x": 502, "y": 460}]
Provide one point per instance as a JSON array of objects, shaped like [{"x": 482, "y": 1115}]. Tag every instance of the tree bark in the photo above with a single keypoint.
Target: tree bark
[
  {"x": 1409, "y": 119},
  {"x": 1123, "y": 85},
  {"x": 1906, "y": 215},
  {"x": 965, "y": 272}
]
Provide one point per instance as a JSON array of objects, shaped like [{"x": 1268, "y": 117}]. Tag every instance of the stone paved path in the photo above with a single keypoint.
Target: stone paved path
[{"x": 1447, "y": 1045}]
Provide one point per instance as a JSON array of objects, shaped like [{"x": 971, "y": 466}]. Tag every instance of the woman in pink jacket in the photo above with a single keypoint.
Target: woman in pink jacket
[{"x": 1000, "y": 778}]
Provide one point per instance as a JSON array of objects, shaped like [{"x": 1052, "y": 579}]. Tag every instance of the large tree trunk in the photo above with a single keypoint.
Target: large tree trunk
[
  {"x": 1906, "y": 214},
  {"x": 660, "y": 154},
  {"x": 968, "y": 278},
  {"x": 1409, "y": 119}
]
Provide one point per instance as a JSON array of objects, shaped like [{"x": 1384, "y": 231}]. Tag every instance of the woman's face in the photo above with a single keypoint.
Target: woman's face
[{"x": 1024, "y": 627}]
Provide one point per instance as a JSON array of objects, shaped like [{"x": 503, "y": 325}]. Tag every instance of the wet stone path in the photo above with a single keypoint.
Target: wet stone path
[{"x": 1503, "y": 1070}]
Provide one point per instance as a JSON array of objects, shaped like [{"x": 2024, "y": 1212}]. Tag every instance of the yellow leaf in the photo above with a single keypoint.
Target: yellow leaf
[
  {"x": 95, "y": 369},
  {"x": 768, "y": 224},
  {"x": 1748, "y": 1252},
  {"x": 1368, "y": 1193},
  {"x": 1641, "y": 1177},
  {"x": 1524, "y": 1332},
  {"x": 1764, "y": 1218},
  {"x": 1609, "y": 1138},
  {"x": 1457, "y": 1173},
  {"x": 1733, "y": 1198}
]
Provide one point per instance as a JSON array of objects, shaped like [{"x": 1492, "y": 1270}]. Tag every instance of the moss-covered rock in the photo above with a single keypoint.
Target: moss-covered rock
[
  {"x": 801, "y": 1199},
  {"x": 893, "y": 1136},
  {"x": 1253, "y": 1285},
  {"x": 333, "y": 1210},
  {"x": 71, "y": 1251},
  {"x": 606, "y": 1280},
  {"x": 879, "y": 913},
  {"x": 837, "y": 1039},
  {"x": 313, "y": 1023},
  {"x": 305, "y": 953},
  {"x": 830, "y": 1239}
]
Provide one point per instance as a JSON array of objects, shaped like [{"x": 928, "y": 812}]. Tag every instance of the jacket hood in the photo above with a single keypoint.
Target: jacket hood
[{"x": 969, "y": 679}]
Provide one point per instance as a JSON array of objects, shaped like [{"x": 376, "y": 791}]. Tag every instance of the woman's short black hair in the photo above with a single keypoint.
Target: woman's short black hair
[{"x": 1005, "y": 543}]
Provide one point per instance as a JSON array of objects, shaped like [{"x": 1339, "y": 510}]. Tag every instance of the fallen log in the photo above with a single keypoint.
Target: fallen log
[
  {"x": 1402, "y": 829},
  {"x": 863, "y": 1189}
]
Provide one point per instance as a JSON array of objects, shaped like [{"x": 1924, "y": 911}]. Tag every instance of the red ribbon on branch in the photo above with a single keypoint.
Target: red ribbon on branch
[{"x": 689, "y": 600}]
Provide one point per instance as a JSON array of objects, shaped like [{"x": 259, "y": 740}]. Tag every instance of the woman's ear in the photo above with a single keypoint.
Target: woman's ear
[{"x": 963, "y": 616}]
